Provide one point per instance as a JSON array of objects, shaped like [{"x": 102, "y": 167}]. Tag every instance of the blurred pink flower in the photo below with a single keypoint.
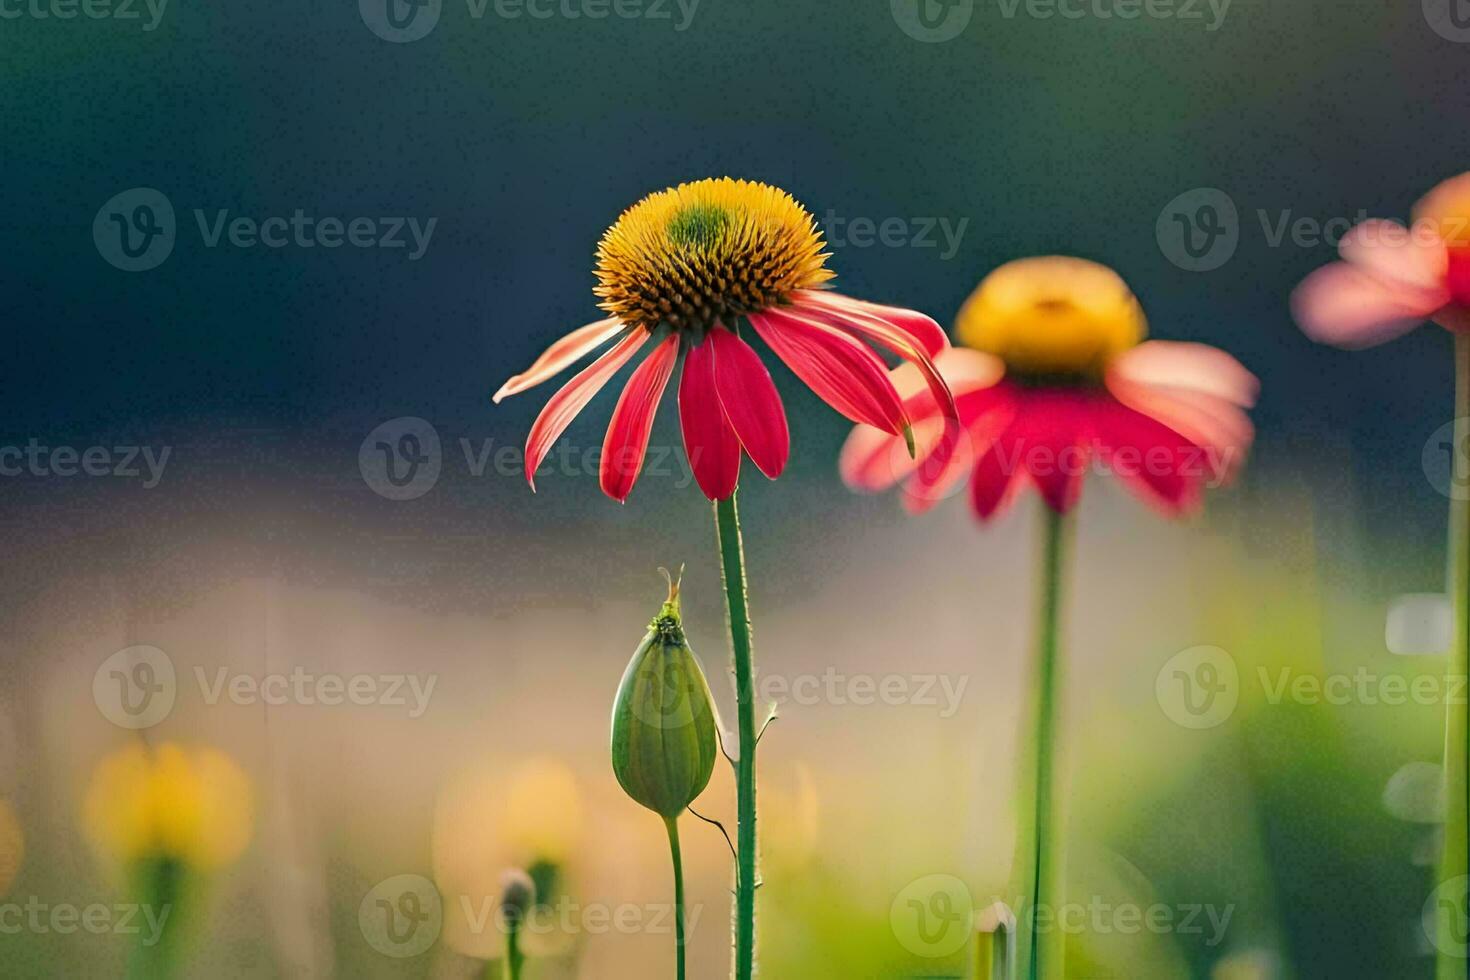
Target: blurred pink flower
[
  {"x": 1054, "y": 383},
  {"x": 1394, "y": 278}
]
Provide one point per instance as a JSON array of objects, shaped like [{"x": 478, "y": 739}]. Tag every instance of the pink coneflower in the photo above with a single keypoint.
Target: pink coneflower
[
  {"x": 680, "y": 270},
  {"x": 1394, "y": 278},
  {"x": 1053, "y": 382}
]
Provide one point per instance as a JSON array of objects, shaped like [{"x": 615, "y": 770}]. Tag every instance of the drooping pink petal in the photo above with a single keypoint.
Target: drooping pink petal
[
  {"x": 1196, "y": 367},
  {"x": 998, "y": 477},
  {"x": 626, "y": 441},
  {"x": 1052, "y": 433},
  {"x": 709, "y": 442},
  {"x": 1222, "y": 429},
  {"x": 573, "y": 397},
  {"x": 1347, "y": 306},
  {"x": 926, "y": 334},
  {"x": 561, "y": 355},
  {"x": 1159, "y": 464},
  {"x": 962, "y": 368},
  {"x": 842, "y": 372},
  {"x": 1392, "y": 252},
  {"x": 872, "y": 460},
  {"x": 886, "y": 334},
  {"x": 984, "y": 415},
  {"x": 749, "y": 398}
]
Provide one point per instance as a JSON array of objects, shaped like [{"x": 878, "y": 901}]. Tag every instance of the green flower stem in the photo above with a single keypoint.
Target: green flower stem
[
  {"x": 1455, "y": 860},
  {"x": 163, "y": 883},
  {"x": 1040, "y": 836},
  {"x": 732, "y": 567},
  {"x": 674, "y": 852},
  {"x": 514, "y": 958}
]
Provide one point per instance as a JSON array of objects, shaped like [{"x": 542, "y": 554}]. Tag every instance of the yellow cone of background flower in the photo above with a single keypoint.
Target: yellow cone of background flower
[
  {"x": 1052, "y": 315},
  {"x": 192, "y": 805}
]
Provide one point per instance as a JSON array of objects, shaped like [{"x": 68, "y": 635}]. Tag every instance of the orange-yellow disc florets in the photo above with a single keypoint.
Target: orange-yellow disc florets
[
  {"x": 1446, "y": 211},
  {"x": 1052, "y": 315},
  {"x": 706, "y": 251}
]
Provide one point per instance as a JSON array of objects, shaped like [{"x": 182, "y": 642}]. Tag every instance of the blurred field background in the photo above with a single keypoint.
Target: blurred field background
[{"x": 263, "y": 548}]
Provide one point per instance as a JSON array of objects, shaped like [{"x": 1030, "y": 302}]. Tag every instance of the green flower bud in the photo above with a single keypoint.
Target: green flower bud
[
  {"x": 663, "y": 721},
  {"x": 517, "y": 895}
]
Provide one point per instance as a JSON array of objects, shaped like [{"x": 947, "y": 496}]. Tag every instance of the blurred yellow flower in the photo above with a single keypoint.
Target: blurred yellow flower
[
  {"x": 193, "y": 805},
  {"x": 1052, "y": 315}
]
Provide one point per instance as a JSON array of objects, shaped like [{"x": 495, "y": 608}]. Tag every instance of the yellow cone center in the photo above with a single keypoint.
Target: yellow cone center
[{"x": 1052, "y": 315}]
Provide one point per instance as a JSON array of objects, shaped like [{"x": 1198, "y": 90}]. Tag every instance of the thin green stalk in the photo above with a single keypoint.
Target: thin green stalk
[
  {"x": 1455, "y": 860},
  {"x": 673, "y": 824},
  {"x": 164, "y": 884},
  {"x": 1040, "y": 838},
  {"x": 732, "y": 569},
  {"x": 514, "y": 958}
]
